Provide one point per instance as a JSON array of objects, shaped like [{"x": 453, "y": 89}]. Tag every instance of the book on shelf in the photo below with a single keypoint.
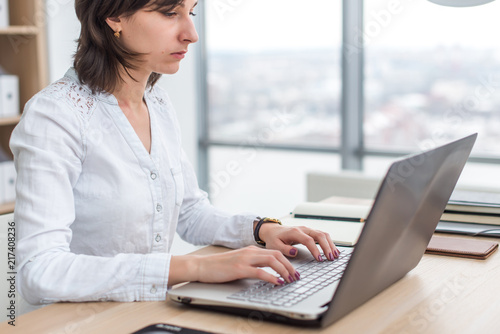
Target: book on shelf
[
  {"x": 343, "y": 222},
  {"x": 9, "y": 95}
]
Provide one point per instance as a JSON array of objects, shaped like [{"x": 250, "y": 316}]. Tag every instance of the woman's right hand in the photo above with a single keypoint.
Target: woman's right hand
[{"x": 232, "y": 265}]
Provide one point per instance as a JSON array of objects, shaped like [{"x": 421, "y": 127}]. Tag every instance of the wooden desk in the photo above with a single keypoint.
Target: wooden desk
[{"x": 441, "y": 295}]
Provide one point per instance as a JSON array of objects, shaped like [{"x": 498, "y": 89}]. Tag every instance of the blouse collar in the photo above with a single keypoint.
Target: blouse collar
[{"x": 103, "y": 96}]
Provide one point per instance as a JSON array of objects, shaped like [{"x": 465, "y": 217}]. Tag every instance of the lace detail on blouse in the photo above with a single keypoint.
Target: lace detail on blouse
[{"x": 77, "y": 96}]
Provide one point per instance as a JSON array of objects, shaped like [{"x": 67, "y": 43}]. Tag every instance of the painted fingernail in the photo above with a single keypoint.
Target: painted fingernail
[
  {"x": 320, "y": 258},
  {"x": 337, "y": 252},
  {"x": 290, "y": 278},
  {"x": 293, "y": 251},
  {"x": 331, "y": 256},
  {"x": 280, "y": 281},
  {"x": 297, "y": 275}
]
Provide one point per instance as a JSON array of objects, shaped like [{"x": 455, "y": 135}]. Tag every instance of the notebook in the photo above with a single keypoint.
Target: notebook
[
  {"x": 343, "y": 222},
  {"x": 460, "y": 247},
  {"x": 400, "y": 224}
]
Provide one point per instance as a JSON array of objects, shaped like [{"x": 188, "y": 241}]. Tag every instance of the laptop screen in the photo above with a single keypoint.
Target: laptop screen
[{"x": 406, "y": 211}]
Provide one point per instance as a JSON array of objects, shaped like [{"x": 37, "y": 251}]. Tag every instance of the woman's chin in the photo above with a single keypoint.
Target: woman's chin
[{"x": 170, "y": 69}]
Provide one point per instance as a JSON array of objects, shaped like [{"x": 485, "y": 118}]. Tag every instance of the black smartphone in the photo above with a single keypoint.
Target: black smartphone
[{"x": 168, "y": 329}]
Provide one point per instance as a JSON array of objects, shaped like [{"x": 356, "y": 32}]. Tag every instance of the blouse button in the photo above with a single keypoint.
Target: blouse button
[
  {"x": 153, "y": 289},
  {"x": 158, "y": 237},
  {"x": 158, "y": 207},
  {"x": 153, "y": 175}
]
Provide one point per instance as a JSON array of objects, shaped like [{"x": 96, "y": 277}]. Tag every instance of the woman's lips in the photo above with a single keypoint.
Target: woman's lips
[{"x": 179, "y": 55}]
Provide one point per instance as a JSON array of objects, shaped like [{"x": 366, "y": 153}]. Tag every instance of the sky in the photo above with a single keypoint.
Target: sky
[{"x": 259, "y": 25}]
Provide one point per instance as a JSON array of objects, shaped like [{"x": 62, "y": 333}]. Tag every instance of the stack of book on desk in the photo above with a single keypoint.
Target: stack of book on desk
[
  {"x": 467, "y": 212},
  {"x": 471, "y": 212}
]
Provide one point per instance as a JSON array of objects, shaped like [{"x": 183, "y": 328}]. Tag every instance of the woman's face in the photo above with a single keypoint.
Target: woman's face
[{"x": 163, "y": 36}]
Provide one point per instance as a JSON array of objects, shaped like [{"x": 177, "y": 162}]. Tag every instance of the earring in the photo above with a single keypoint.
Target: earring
[{"x": 117, "y": 34}]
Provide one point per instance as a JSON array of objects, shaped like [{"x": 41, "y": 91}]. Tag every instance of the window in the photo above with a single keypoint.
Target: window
[
  {"x": 273, "y": 80},
  {"x": 431, "y": 75},
  {"x": 273, "y": 72},
  {"x": 428, "y": 75}
]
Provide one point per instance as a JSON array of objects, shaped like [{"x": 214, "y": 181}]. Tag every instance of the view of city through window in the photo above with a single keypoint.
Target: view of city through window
[
  {"x": 293, "y": 94},
  {"x": 428, "y": 76},
  {"x": 274, "y": 71},
  {"x": 431, "y": 75}
]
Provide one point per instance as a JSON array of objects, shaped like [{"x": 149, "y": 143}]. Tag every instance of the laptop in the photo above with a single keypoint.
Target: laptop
[{"x": 404, "y": 215}]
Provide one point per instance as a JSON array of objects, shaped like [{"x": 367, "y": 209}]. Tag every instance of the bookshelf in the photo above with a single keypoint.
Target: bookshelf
[{"x": 23, "y": 52}]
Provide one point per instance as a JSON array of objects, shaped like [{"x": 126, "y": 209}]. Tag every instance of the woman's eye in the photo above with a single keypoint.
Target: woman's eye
[{"x": 172, "y": 14}]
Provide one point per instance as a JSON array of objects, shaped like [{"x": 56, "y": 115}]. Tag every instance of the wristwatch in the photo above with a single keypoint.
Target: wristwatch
[{"x": 259, "y": 222}]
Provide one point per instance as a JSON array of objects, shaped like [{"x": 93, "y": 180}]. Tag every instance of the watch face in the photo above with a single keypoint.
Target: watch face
[{"x": 272, "y": 220}]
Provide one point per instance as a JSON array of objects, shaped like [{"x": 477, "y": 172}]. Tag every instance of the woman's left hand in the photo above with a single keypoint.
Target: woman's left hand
[{"x": 282, "y": 238}]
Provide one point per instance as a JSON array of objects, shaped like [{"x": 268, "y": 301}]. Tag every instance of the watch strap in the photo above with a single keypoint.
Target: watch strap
[{"x": 259, "y": 225}]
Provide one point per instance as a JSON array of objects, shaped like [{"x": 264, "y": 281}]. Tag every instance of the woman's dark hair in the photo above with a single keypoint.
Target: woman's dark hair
[{"x": 100, "y": 55}]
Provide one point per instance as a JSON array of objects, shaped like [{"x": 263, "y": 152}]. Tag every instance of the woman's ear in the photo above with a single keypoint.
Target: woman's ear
[{"x": 114, "y": 23}]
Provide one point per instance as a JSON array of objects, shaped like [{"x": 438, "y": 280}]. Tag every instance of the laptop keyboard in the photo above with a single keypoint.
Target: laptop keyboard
[{"x": 314, "y": 276}]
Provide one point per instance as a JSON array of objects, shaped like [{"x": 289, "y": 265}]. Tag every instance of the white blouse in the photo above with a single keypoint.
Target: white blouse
[{"x": 95, "y": 212}]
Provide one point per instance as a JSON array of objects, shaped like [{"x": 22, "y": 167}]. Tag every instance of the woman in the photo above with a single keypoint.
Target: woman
[{"x": 103, "y": 183}]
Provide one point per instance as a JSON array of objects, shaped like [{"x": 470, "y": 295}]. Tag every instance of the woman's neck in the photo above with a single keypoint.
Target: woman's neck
[{"x": 130, "y": 92}]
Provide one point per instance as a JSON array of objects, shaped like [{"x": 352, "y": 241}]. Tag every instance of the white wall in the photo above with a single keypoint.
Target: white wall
[{"x": 63, "y": 29}]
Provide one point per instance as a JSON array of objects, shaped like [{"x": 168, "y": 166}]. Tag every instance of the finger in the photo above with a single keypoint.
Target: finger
[
  {"x": 302, "y": 236},
  {"x": 290, "y": 251},
  {"x": 322, "y": 240},
  {"x": 336, "y": 251},
  {"x": 265, "y": 276},
  {"x": 285, "y": 249},
  {"x": 288, "y": 265},
  {"x": 275, "y": 260}
]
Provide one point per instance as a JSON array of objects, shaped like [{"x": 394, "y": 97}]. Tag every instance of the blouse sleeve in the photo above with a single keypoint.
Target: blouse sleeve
[
  {"x": 49, "y": 148},
  {"x": 201, "y": 223}
]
